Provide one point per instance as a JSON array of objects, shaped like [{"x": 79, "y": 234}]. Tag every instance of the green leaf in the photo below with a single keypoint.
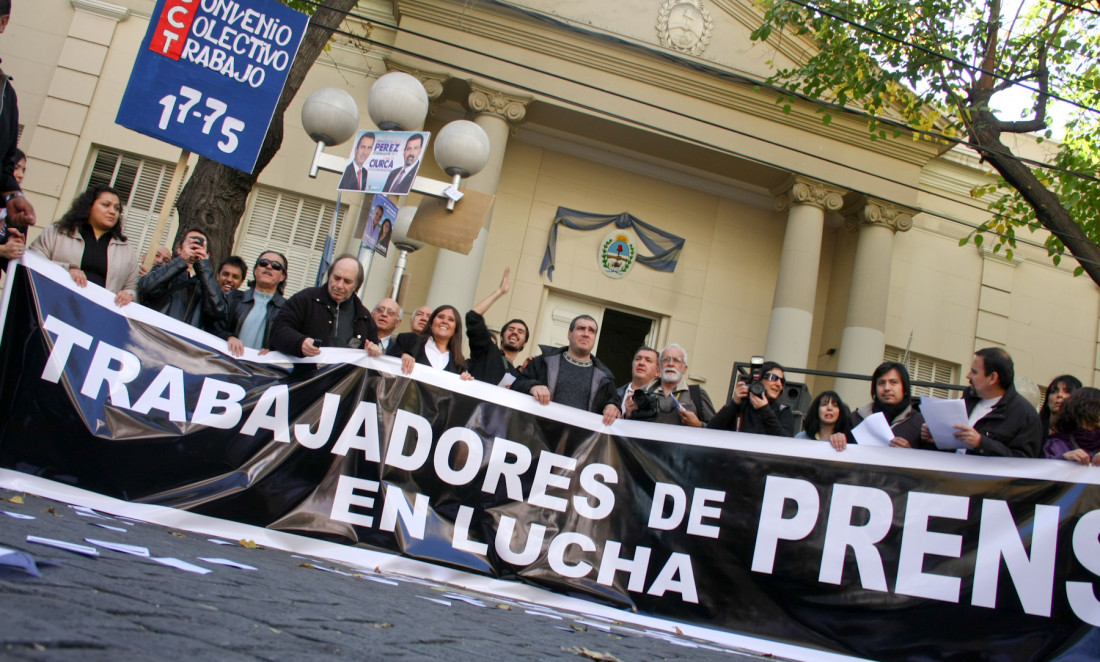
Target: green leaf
[{"x": 1078, "y": 271}]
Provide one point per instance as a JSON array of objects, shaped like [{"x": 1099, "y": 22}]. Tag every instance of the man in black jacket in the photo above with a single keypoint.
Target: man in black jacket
[
  {"x": 253, "y": 311},
  {"x": 572, "y": 375},
  {"x": 1001, "y": 421},
  {"x": 186, "y": 288},
  {"x": 331, "y": 315},
  {"x": 488, "y": 362}
]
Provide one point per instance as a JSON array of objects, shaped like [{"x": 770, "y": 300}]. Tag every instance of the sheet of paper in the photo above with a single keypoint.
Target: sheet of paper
[
  {"x": 18, "y": 560},
  {"x": 507, "y": 380},
  {"x": 18, "y": 515},
  {"x": 67, "y": 546},
  {"x": 134, "y": 550},
  {"x": 231, "y": 564},
  {"x": 942, "y": 416},
  {"x": 219, "y": 541},
  {"x": 181, "y": 565},
  {"x": 873, "y": 431}
]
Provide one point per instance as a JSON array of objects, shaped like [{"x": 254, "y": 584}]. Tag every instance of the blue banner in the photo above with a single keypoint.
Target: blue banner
[{"x": 209, "y": 74}]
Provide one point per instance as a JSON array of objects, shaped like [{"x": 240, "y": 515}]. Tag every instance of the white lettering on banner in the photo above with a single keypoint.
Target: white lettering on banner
[
  {"x": 364, "y": 419},
  {"x": 231, "y": 413},
  {"x": 314, "y": 440},
  {"x": 555, "y": 554},
  {"x": 545, "y": 477},
  {"x": 858, "y": 519},
  {"x": 275, "y": 397},
  {"x": 841, "y": 534},
  {"x": 664, "y": 492},
  {"x": 169, "y": 378},
  {"x": 397, "y": 507},
  {"x": 998, "y": 538},
  {"x": 461, "y": 540},
  {"x": 506, "y": 536},
  {"x": 1086, "y": 547},
  {"x": 469, "y": 455},
  {"x": 917, "y": 542},
  {"x": 345, "y": 497},
  {"x": 67, "y": 337},
  {"x": 511, "y": 471},
  {"x": 422, "y": 442},
  {"x": 605, "y": 498},
  {"x": 774, "y": 527},
  {"x": 100, "y": 372}
]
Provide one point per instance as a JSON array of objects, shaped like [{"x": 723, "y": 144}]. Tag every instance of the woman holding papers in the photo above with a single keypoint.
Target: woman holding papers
[{"x": 1076, "y": 435}]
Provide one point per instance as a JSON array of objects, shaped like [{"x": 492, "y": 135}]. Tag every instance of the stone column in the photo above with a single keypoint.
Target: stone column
[
  {"x": 806, "y": 202},
  {"x": 454, "y": 280},
  {"x": 864, "y": 338}
]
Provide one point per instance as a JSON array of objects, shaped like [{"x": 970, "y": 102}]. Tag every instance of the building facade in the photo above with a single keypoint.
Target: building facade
[{"x": 803, "y": 241}]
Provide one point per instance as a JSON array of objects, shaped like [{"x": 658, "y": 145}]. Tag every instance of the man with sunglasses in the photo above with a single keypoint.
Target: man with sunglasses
[
  {"x": 252, "y": 311},
  {"x": 676, "y": 403},
  {"x": 186, "y": 288},
  {"x": 758, "y": 414}
]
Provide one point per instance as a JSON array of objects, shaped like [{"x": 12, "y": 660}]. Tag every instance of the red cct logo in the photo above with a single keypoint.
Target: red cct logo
[{"x": 172, "y": 28}]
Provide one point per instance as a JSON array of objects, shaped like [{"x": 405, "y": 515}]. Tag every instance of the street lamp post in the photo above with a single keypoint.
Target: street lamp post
[{"x": 398, "y": 102}]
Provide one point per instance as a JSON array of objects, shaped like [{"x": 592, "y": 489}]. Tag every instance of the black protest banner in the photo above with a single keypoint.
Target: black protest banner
[{"x": 881, "y": 553}]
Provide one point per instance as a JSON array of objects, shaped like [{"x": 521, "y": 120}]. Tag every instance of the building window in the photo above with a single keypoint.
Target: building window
[
  {"x": 142, "y": 184},
  {"x": 926, "y": 369},
  {"x": 293, "y": 225}
]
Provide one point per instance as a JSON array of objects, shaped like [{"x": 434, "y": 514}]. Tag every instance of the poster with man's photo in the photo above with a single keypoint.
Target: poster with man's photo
[
  {"x": 379, "y": 227},
  {"x": 384, "y": 162}
]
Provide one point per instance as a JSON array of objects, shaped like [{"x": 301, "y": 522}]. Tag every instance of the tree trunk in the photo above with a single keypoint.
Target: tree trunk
[
  {"x": 214, "y": 198},
  {"x": 1049, "y": 211}
]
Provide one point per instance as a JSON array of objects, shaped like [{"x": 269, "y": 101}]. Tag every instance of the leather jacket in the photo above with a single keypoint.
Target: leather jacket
[{"x": 196, "y": 300}]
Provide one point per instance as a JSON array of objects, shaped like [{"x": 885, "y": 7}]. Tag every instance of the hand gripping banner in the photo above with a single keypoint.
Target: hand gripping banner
[{"x": 875, "y": 552}]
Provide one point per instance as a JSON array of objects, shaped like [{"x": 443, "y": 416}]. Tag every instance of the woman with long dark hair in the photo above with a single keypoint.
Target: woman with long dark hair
[
  {"x": 1076, "y": 435},
  {"x": 88, "y": 241},
  {"x": 438, "y": 345},
  {"x": 1061, "y": 387},
  {"x": 827, "y": 415}
]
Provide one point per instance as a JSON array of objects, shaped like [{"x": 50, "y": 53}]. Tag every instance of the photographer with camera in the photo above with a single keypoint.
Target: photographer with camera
[
  {"x": 186, "y": 288},
  {"x": 755, "y": 407},
  {"x": 669, "y": 400},
  {"x": 643, "y": 370}
]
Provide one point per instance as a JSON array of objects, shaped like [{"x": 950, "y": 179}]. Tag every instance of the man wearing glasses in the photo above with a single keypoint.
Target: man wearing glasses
[
  {"x": 252, "y": 311},
  {"x": 676, "y": 403},
  {"x": 758, "y": 414},
  {"x": 387, "y": 316}
]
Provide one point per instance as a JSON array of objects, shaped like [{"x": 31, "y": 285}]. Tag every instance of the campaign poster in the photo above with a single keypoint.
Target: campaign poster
[
  {"x": 209, "y": 74},
  {"x": 384, "y": 162},
  {"x": 379, "y": 228}
]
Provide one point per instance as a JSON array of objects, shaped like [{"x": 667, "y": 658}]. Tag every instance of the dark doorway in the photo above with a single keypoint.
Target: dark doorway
[{"x": 621, "y": 334}]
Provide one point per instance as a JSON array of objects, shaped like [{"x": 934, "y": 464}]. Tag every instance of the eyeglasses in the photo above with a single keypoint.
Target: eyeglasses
[
  {"x": 388, "y": 311},
  {"x": 772, "y": 377},
  {"x": 671, "y": 359},
  {"x": 274, "y": 265}
]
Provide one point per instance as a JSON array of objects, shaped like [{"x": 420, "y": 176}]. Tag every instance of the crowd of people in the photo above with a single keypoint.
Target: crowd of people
[{"x": 88, "y": 241}]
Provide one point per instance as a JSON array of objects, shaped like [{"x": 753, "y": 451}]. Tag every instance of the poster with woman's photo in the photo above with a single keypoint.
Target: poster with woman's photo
[{"x": 379, "y": 228}]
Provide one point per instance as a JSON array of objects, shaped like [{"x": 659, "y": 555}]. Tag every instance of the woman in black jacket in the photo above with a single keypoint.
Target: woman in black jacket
[
  {"x": 759, "y": 414},
  {"x": 438, "y": 345}
]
